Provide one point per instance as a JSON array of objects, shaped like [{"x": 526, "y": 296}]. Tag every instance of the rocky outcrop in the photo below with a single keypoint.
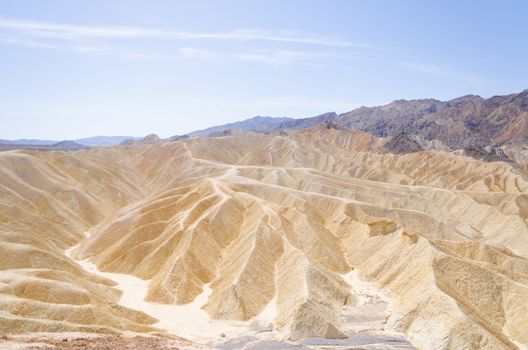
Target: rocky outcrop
[{"x": 403, "y": 143}]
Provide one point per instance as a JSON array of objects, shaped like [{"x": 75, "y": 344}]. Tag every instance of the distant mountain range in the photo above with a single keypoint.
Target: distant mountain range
[
  {"x": 96, "y": 141},
  {"x": 28, "y": 142},
  {"x": 465, "y": 121},
  {"x": 104, "y": 140},
  {"x": 493, "y": 129},
  {"x": 258, "y": 124},
  {"x": 265, "y": 124},
  {"x": 58, "y": 146}
]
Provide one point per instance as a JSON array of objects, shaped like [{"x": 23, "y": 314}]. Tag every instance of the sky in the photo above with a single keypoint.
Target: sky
[{"x": 72, "y": 69}]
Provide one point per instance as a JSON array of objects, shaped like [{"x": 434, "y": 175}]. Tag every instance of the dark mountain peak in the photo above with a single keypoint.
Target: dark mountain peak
[
  {"x": 332, "y": 124},
  {"x": 408, "y": 107},
  {"x": 463, "y": 100},
  {"x": 522, "y": 96},
  {"x": 403, "y": 143},
  {"x": 415, "y": 101},
  {"x": 327, "y": 115}
]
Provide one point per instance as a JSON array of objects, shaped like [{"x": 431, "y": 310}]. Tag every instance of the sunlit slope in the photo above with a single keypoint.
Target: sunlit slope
[
  {"x": 278, "y": 218},
  {"x": 47, "y": 202}
]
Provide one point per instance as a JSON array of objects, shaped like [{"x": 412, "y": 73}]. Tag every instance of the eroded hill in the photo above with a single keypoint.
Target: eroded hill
[{"x": 260, "y": 220}]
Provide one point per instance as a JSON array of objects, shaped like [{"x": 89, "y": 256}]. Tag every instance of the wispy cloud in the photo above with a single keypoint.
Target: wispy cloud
[
  {"x": 185, "y": 46},
  {"x": 180, "y": 54},
  {"x": 67, "y": 31},
  {"x": 286, "y": 57},
  {"x": 116, "y": 41},
  {"x": 29, "y": 43}
]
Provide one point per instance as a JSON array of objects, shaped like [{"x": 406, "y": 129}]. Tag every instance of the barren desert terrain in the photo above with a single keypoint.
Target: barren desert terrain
[{"x": 319, "y": 238}]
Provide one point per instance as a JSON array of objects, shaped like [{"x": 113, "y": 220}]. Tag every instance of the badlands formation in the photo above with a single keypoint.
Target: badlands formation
[{"x": 294, "y": 234}]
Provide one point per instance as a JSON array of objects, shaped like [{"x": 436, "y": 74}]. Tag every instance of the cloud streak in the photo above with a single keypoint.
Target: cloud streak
[
  {"x": 67, "y": 31},
  {"x": 309, "y": 49}
]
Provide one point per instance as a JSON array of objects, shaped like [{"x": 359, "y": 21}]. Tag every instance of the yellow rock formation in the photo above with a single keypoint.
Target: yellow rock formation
[{"x": 268, "y": 219}]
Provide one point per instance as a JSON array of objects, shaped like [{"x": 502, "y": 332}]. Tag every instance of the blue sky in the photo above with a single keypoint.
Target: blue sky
[{"x": 71, "y": 69}]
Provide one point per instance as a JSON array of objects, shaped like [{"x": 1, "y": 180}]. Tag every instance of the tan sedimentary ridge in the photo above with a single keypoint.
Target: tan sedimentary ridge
[{"x": 268, "y": 219}]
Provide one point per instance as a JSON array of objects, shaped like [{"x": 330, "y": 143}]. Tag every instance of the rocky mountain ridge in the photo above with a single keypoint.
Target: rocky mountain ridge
[{"x": 491, "y": 129}]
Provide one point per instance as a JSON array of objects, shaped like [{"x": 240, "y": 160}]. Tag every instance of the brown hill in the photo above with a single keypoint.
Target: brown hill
[{"x": 459, "y": 123}]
